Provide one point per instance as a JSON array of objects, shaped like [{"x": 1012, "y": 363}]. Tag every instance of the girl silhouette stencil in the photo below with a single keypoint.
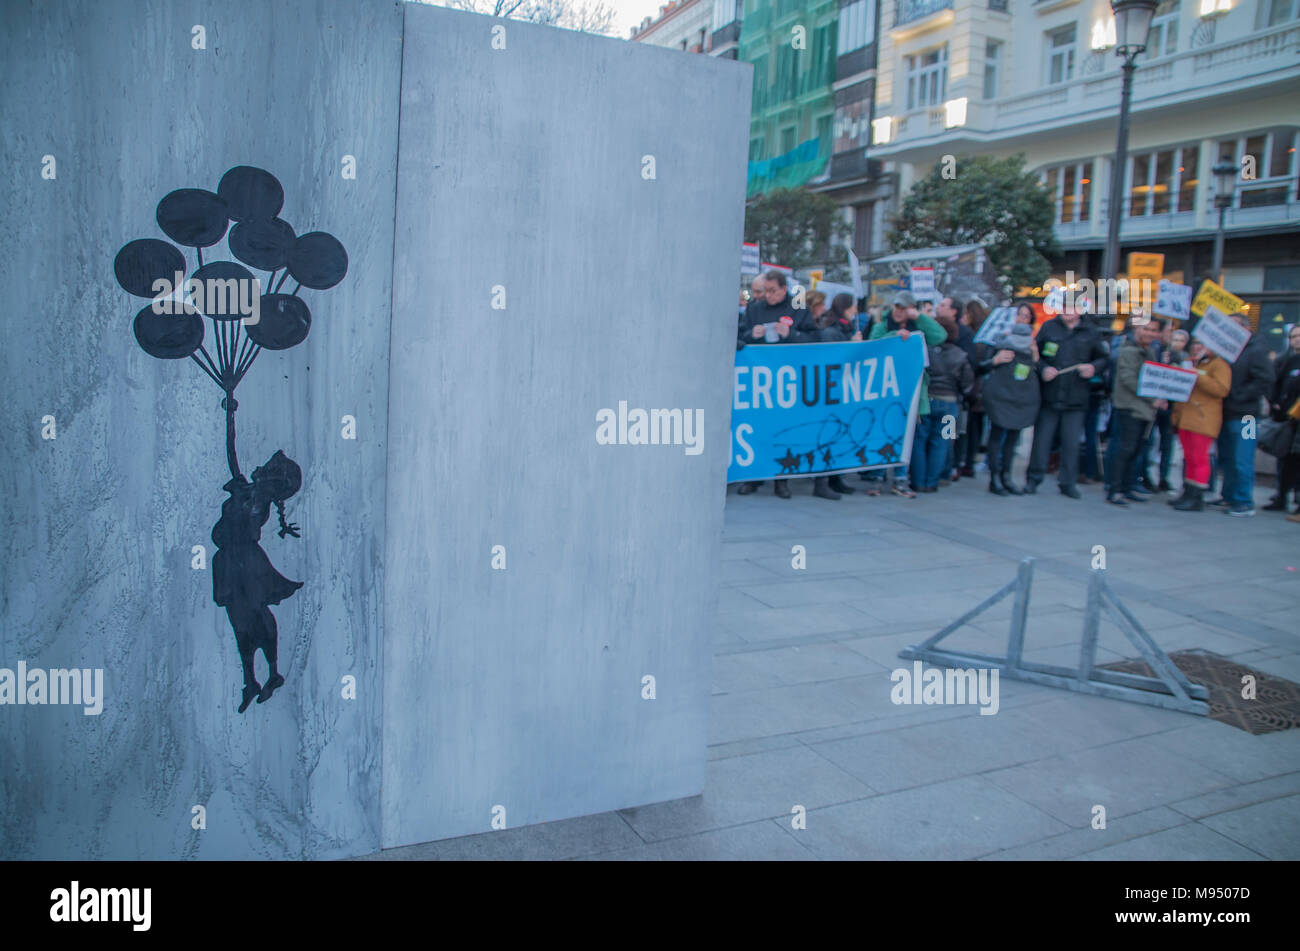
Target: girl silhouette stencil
[{"x": 243, "y": 580}]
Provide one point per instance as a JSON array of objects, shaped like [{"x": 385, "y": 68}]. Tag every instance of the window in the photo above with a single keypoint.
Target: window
[
  {"x": 1070, "y": 187},
  {"x": 824, "y": 134},
  {"x": 857, "y": 26},
  {"x": 1163, "y": 182},
  {"x": 1060, "y": 54},
  {"x": 787, "y": 139},
  {"x": 1163, "y": 38},
  {"x": 1275, "y": 12},
  {"x": 927, "y": 78},
  {"x": 755, "y": 149},
  {"x": 992, "y": 57},
  {"x": 862, "y": 221},
  {"x": 1269, "y": 158}
]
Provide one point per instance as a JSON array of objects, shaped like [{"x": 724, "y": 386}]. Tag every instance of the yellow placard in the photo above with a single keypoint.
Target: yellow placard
[
  {"x": 1146, "y": 267},
  {"x": 1212, "y": 294},
  {"x": 814, "y": 277}
]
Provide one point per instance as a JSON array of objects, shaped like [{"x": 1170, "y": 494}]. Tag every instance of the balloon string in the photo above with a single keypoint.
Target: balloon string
[
  {"x": 220, "y": 348},
  {"x": 251, "y": 357},
  {"x": 244, "y": 347},
  {"x": 200, "y": 251},
  {"x": 232, "y": 332},
  {"x": 294, "y": 292},
  {"x": 282, "y": 279},
  {"x": 205, "y": 369}
]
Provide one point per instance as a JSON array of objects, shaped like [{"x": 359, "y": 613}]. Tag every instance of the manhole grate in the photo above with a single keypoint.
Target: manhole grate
[{"x": 1276, "y": 705}]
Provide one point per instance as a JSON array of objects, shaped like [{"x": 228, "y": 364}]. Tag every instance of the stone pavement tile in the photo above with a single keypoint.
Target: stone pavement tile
[
  {"x": 735, "y": 672},
  {"x": 564, "y": 839},
  {"x": 750, "y": 548},
  {"x": 1233, "y": 752},
  {"x": 809, "y": 663},
  {"x": 1270, "y": 828},
  {"x": 959, "y": 819},
  {"x": 760, "y": 744},
  {"x": 753, "y": 842},
  {"x": 1286, "y": 666},
  {"x": 1067, "y": 655},
  {"x": 799, "y": 591},
  {"x": 850, "y": 565},
  {"x": 1192, "y": 636},
  {"x": 1080, "y": 841},
  {"x": 745, "y": 788},
  {"x": 1191, "y": 842},
  {"x": 730, "y": 600},
  {"x": 778, "y": 710},
  {"x": 1242, "y": 598},
  {"x": 738, "y": 571},
  {"x": 1125, "y": 777},
  {"x": 774, "y": 623},
  {"x": 953, "y": 747}
]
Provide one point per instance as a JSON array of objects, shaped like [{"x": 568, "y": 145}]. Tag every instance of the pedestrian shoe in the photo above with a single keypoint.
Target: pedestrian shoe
[
  {"x": 981, "y": 467},
  {"x": 1116, "y": 500},
  {"x": 1071, "y": 492},
  {"x": 1241, "y": 511},
  {"x": 1192, "y": 500},
  {"x": 1183, "y": 495},
  {"x": 782, "y": 489},
  {"x": 995, "y": 484},
  {"x": 837, "y": 485},
  {"x": 251, "y": 691},
  {"x": 902, "y": 491},
  {"x": 1011, "y": 487},
  {"x": 1165, "y": 486},
  {"x": 270, "y": 688},
  {"x": 747, "y": 488},
  {"x": 823, "y": 491},
  {"x": 1277, "y": 505},
  {"x": 1137, "y": 497}
]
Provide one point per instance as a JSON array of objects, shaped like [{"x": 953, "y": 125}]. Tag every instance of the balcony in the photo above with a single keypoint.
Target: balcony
[{"x": 909, "y": 11}]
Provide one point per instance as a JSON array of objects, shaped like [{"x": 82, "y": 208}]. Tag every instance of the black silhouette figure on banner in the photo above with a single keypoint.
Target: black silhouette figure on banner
[
  {"x": 244, "y": 323},
  {"x": 789, "y": 462}
]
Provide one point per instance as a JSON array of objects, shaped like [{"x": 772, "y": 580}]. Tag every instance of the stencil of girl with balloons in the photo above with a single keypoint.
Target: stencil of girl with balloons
[{"x": 244, "y": 581}]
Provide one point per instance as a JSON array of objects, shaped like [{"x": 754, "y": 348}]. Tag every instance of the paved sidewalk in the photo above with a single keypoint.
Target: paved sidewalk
[{"x": 802, "y": 714}]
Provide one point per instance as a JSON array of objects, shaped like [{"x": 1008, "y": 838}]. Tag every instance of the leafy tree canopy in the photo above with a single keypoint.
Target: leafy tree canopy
[{"x": 796, "y": 228}]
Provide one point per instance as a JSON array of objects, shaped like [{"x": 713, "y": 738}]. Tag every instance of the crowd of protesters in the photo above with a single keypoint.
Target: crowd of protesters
[{"x": 1073, "y": 387}]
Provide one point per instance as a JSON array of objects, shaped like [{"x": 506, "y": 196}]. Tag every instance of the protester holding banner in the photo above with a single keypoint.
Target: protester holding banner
[
  {"x": 1012, "y": 397},
  {"x": 1198, "y": 422},
  {"x": 840, "y": 325},
  {"x": 903, "y": 321},
  {"x": 1134, "y": 414},
  {"x": 1252, "y": 380},
  {"x": 1285, "y": 404},
  {"x": 1071, "y": 354}
]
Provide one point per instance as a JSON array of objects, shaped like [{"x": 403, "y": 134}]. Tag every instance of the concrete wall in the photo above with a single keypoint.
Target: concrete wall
[
  {"x": 522, "y": 168},
  {"x": 96, "y": 526}
]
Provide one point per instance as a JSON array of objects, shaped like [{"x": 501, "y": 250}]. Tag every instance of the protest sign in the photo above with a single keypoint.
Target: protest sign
[
  {"x": 1160, "y": 381},
  {"x": 1174, "y": 301},
  {"x": 922, "y": 283},
  {"x": 855, "y": 273},
  {"x": 997, "y": 323},
  {"x": 1149, "y": 267},
  {"x": 1212, "y": 294},
  {"x": 750, "y": 260},
  {"x": 1221, "y": 333},
  {"x": 817, "y": 409}
]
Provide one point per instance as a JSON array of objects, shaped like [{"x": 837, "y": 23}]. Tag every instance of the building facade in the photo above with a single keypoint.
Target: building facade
[
  {"x": 1219, "y": 79},
  {"x": 685, "y": 25}
]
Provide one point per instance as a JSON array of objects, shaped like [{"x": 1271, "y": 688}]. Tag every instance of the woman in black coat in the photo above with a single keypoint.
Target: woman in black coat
[
  {"x": 1286, "y": 391},
  {"x": 1011, "y": 399}
]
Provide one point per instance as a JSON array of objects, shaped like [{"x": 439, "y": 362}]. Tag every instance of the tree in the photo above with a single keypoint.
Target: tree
[
  {"x": 585, "y": 16},
  {"x": 796, "y": 228},
  {"x": 987, "y": 201}
]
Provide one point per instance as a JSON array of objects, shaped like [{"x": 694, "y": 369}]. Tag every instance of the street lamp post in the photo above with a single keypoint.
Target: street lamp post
[
  {"x": 1132, "y": 24},
  {"x": 1225, "y": 180}
]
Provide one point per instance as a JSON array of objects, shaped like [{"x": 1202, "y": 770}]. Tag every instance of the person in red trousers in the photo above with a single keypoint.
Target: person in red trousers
[{"x": 1198, "y": 422}]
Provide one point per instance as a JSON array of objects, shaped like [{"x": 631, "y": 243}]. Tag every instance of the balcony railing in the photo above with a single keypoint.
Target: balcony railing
[{"x": 906, "y": 11}]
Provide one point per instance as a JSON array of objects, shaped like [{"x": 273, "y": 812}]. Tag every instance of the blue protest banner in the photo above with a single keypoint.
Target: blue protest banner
[{"x": 821, "y": 408}]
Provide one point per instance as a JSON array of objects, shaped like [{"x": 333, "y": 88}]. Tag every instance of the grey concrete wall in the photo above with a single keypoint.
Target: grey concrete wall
[
  {"x": 522, "y": 167},
  {"x": 96, "y": 526}
]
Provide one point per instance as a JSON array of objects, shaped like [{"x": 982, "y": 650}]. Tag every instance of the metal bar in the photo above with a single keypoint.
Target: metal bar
[
  {"x": 982, "y": 606},
  {"x": 1155, "y": 658},
  {"x": 1020, "y": 612},
  {"x": 1091, "y": 627},
  {"x": 1170, "y": 667}
]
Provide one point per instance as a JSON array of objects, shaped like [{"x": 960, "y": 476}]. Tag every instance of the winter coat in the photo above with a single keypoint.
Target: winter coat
[
  {"x": 840, "y": 331},
  {"x": 1060, "y": 347},
  {"x": 1203, "y": 411},
  {"x": 1128, "y": 368},
  {"x": 951, "y": 375},
  {"x": 1012, "y": 391},
  {"x": 1252, "y": 379},
  {"x": 934, "y": 335},
  {"x": 1286, "y": 385},
  {"x": 760, "y": 312}
]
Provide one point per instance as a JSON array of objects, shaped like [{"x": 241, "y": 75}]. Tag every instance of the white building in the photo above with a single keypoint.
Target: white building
[{"x": 682, "y": 24}]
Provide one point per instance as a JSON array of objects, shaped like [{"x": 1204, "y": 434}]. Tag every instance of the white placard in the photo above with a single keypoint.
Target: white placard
[
  {"x": 1221, "y": 333},
  {"x": 855, "y": 274},
  {"x": 750, "y": 259},
  {"x": 1173, "y": 301},
  {"x": 922, "y": 282},
  {"x": 1160, "y": 381},
  {"x": 997, "y": 323}
]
